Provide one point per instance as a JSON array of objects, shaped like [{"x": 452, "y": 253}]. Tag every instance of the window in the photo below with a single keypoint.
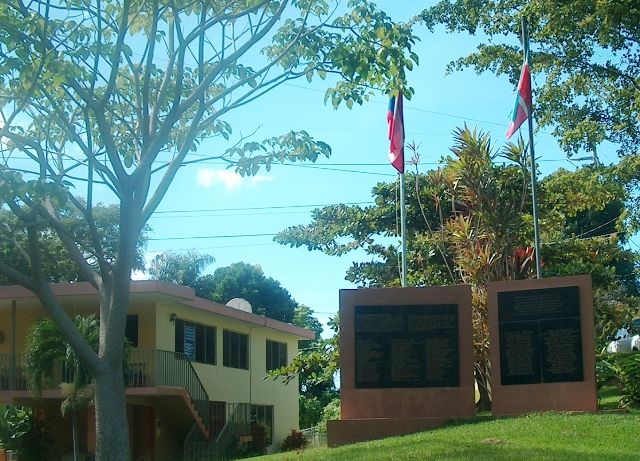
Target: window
[
  {"x": 276, "y": 355},
  {"x": 131, "y": 330},
  {"x": 235, "y": 351},
  {"x": 263, "y": 416},
  {"x": 196, "y": 341}
]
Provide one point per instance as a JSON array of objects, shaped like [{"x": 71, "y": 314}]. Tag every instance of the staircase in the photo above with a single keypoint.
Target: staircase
[
  {"x": 238, "y": 423},
  {"x": 153, "y": 368}
]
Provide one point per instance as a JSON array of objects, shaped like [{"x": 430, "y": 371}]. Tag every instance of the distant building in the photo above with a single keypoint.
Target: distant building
[{"x": 195, "y": 371}]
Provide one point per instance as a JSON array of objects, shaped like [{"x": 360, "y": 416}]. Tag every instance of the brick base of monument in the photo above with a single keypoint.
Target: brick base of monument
[{"x": 346, "y": 431}]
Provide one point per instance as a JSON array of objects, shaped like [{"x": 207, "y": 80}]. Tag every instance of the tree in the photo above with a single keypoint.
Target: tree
[
  {"x": 469, "y": 222},
  {"x": 316, "y": 366},
  {"x": 46, "y": 348},
  {"x": 584, "y": 59},
  {"x": 238, "y": 280},
  {"x": 241, "y": 280},
  {"x": 303, "y": 317},
  {"x": 112, "y": 97},
  {"x": 181, "y": 268},
  {"x": 57, "y": 264}
]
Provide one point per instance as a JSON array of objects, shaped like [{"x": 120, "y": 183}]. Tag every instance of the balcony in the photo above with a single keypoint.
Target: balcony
[{"x": 148, "y": 372}]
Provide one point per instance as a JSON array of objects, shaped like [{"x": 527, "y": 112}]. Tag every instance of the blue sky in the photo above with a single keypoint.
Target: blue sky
[{"x": 211, "y": 210}]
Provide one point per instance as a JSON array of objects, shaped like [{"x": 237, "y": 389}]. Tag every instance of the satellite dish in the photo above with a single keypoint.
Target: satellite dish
[{"x": 241, "y": 304}]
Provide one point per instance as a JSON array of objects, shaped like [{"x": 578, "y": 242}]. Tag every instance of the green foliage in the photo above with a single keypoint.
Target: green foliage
[
  {"x": 294, "y": 441},
  {"x": 584, "y": 61},
  {"x": 315, "y": 366},
  {"x": 46, "y": 347},
  {"x": 624, "y": 369},
  {"x": 303, "y": 317},
  {"x": 22, "y": 433},
  {"x": 256, "y": 447},
  {"x": 239, "y": 280},
  {"x": 56, "y": 262},
  {"x": 248, "y": 281},
  {"x": 181, "y": 268},
  {"x": 330, "y": 413}
]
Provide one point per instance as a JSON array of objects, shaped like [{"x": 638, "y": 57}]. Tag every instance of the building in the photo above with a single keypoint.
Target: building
[{"x": 195, "y": 371}]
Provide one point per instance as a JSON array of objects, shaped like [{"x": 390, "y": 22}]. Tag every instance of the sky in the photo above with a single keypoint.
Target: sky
[{"x": 212, "y": 210}]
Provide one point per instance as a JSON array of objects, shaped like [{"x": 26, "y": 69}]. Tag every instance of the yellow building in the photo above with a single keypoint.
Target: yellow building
[{"x": 195, "y": 372}]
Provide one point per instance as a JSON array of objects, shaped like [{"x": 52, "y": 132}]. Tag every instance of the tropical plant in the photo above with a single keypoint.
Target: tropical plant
[
  {"x": 623, "y": 370},
  {"x": 294, "y": 441},
  {"x": 181, "y": 268},
  {"x": 47, "y": 349},
  {"x": 22, "y": 433}
]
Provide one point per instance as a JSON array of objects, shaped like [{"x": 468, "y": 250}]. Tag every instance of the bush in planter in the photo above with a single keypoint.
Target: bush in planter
[{"x": 294, "y": 441}]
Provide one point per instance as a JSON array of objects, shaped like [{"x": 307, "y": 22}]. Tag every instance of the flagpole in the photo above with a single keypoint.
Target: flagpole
[
  {"x": 403, "y": 229},
  {"x": 534, "y": 175}
]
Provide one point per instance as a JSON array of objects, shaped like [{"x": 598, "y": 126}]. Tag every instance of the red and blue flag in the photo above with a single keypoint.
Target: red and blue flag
[
  {"x": 524, "y": 100},
  {"x": 395, "y": 119}
]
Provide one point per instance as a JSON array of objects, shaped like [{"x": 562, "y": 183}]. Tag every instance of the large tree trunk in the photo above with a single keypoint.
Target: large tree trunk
[
  {"x": 112, "y": 430},
  {"x": 112, "y": 433}
]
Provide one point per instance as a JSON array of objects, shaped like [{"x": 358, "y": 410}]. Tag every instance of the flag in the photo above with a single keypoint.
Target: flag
[
  {"x": 395, "y": 119},
  {"x": 522, "y": 107}
]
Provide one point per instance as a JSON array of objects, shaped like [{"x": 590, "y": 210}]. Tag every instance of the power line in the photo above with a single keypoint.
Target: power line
[
  {"x": 203, "y": 237},
  {"x": 275, "y": 207}
]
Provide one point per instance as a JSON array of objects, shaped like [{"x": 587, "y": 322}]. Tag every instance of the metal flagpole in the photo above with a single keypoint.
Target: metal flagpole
[
  {"x": 403, "y": 230},
  {"x": 534, "y": 175}
]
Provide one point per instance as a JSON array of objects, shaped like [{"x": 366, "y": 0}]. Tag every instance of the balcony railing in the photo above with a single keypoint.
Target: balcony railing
[
  {"x": 11, "y": 374},
  {"x": 150, "y": 368},
  {"x": 145, "y": 368}
]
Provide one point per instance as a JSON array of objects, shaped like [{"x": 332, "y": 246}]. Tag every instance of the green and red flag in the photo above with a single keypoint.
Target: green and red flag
[{"x": 522, "y": 108}]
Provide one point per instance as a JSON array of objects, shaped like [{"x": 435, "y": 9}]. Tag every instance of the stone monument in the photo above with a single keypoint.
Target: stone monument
[
  {"x": 542, "y": 345},
  {"x": 406, "y": 361}
]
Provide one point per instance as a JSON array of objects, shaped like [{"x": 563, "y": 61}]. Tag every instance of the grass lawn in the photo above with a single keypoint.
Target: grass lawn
[{"x": 551, "y": 436}]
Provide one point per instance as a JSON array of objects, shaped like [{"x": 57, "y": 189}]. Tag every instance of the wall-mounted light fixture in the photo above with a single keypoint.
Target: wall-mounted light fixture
[{"x": 172, "y": 317}]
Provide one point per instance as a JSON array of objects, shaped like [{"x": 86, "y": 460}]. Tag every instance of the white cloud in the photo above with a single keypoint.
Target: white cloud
[{"x": 231, "y": 180}]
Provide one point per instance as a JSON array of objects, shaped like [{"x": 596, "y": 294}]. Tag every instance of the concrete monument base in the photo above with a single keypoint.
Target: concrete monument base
[{"x": 346, "y": 431}]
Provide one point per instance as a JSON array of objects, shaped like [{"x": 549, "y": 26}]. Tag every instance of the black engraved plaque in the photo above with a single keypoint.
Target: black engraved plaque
[
  {"x": 406, "y": 346},
  {"x": 540, "y": 336}
]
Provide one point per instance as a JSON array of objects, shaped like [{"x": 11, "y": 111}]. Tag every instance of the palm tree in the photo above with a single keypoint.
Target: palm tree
[{"x": 48, "y": 348}]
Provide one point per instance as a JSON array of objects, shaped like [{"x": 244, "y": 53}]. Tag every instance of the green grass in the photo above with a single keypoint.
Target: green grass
[
  {"x": 609, "y": 398},
  {"x": 551, "y": 436}
]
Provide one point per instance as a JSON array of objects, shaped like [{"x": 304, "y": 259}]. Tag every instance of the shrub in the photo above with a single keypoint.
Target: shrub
[
  {"x": 624, "y": 371},
  {"x": 259, "y": 440},
  {"x": 606, "y": 369},
  {"x": 628, "y": 368},
  {"x": 330, "y": 412},
  {"x": 294, "y": 441},
  {"x": 21, "y": 432}
]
